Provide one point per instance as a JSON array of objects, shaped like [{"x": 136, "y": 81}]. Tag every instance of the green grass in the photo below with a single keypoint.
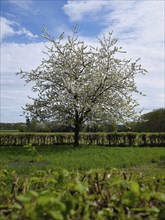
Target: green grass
[
  {"x": 9, "y": 131},
  {"x": 150, "y": 161}
]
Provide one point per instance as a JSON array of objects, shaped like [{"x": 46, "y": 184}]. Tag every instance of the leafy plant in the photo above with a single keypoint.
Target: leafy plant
[
  {"x": 94, "y": 194},
  {"x": 34, "y": 152}
]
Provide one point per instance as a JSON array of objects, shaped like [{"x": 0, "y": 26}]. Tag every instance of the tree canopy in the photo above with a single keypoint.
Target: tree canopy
[
  {"x": 79, "y": 83},
  {"x": 153, "y": 121}
]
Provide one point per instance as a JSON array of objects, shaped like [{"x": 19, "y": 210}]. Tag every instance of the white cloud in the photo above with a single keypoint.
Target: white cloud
[
  {"x": 6, "y": 27},
  {"x": 13, "y": 97},
  {"x": 11, "y": 28},
  {"x": 24, "y": 31},
  {"x": 15, "y": 56},
  {"x": 140, "y": 29},
  {"x": 143, "y": 19},
  {"x": 14, "y": 91},
  {"x": 76, "y": 10},
  {"x": 22, "y": 4}
]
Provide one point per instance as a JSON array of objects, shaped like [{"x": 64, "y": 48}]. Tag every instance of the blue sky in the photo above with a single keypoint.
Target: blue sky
[{"x": 139, "y": 25}]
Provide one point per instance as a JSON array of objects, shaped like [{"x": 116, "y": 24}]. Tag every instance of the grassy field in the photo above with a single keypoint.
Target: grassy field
[{"x": 150, "y": 161}]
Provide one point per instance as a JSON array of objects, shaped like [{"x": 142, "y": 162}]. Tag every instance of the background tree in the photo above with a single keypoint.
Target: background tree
[
  {"x": 150, "y": 122},
  {"x": 78, "y": 83},
  {"x": 13, "y": 126}
]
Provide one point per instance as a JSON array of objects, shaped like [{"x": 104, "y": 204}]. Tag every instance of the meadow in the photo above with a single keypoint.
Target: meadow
[{"x": 29, "y": 158}]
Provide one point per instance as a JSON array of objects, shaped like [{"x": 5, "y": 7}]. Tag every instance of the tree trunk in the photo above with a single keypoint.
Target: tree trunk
[
  {"x": 76, "y": 130},
  {"x": 76, "y": 135}
]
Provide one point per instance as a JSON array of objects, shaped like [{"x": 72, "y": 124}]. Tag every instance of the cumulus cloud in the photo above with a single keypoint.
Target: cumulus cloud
[
  {"x": 13, "y": 98},
  {"x": 25, "y": 56},
  {"x": 140, "y": 28},
  {"x": 6, "y": 27},
  {"x": 14, "y": 91},
  {"x": 11, "y": 28},
  {"x": 76, "y": 10}
]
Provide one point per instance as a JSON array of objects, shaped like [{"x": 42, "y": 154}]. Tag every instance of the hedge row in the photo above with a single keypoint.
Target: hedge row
[{"x": 106, "y": 139}]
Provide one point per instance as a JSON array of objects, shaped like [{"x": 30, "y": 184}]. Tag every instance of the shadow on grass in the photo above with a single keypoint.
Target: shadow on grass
[{"x": 161, "y": 162}]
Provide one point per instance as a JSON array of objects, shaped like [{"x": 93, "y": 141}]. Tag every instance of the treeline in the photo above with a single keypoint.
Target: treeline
[
  {"x": 56, "y": 126},
  {"x": 151, "y": 122},
  {"x": 12, "y": 126}
]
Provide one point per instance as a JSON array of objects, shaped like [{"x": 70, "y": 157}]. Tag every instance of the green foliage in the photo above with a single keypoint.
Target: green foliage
[
  {"x": 94, "y": 194},
  {"x": 150, "y": 122},
  {"x": 12, "y": 127},
  {"x": 34, "y": 152},
  {"x": 107, "y": 139}
]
